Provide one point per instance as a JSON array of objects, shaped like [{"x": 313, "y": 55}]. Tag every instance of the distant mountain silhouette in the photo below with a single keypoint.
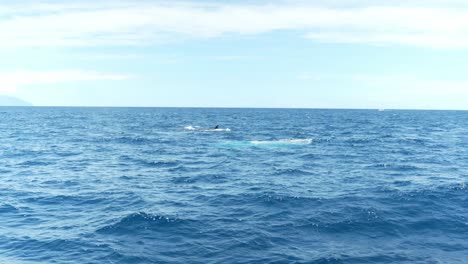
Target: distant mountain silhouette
[{"x": 12, "y": 101}]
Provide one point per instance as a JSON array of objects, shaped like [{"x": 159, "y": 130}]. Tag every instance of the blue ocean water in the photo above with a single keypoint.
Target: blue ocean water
[{"x": 157, "y": 185}]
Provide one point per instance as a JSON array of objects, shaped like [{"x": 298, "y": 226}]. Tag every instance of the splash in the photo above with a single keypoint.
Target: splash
[{"x": 201, "y": 129}]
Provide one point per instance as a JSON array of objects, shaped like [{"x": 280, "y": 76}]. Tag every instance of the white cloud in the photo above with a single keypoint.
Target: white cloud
[
  {"x": 11, "y": 81},
  {"x": 434, "y": 24}
]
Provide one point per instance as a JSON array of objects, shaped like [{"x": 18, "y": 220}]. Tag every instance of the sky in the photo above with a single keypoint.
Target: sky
[{"x": 245, "y": 53}]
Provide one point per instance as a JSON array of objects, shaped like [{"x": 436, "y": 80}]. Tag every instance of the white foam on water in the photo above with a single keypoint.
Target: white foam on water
[
  {"x": 191, "y": 128},
  {"x": 286, "y": 141},
  {"x": 197, "y": 128},
  {"x": 304, "y": 141},
  {"x": 219, "y": 130}
]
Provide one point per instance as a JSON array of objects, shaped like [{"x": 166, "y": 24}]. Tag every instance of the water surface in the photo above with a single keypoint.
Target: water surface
[{"x": 159, "y": 185}]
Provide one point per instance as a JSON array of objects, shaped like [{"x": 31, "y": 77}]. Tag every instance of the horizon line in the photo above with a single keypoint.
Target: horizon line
[{"x": 236, "y": 107}]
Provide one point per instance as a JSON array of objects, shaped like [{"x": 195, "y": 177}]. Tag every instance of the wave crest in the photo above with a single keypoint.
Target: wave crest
[{"x": 141, "y": 221}]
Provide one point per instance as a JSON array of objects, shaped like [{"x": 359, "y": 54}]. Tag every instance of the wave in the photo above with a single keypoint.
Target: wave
[
  {"x": 269, "y": 199},
  {"x": 207, "y": 178},
  {"x": 287, "y": 201},
  {"x": 366, "y": 258},
  {"x": 8, "y": 208},
  {"x": 143, "y": 221},
  {"x": 33, "y": 163},
  {"x": 395, "y": 167},
  {"x": 127, "y": 139},
  {"x": 132, "y": 140},
  {"x": 159, "y": 164},
  {"x": 286, "y": 141},
  {"x": 291, "y": 172},
  {"x": 35, "y": 250},
  {"x": 62, "y": 200},
  {"x": 146, "y": 163}
]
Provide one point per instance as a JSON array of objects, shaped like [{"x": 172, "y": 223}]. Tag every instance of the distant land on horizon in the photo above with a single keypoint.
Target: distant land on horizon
[{"x": 12, "y": 101}]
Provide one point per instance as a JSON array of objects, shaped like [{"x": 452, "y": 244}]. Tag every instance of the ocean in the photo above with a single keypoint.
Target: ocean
[{"x": 160, "y": 185}]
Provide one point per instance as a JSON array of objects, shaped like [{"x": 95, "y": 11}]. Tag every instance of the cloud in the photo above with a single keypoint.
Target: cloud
[
  {"x": 428, "y": 24},
  {"x": 11, "y": 81}
]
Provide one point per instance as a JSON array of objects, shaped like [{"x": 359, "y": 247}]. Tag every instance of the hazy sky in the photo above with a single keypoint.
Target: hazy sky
[{"x": 316, "y": 53}]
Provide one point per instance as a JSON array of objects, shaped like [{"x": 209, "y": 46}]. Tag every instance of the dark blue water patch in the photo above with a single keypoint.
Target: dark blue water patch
[
  {"x": 291, "y": 172},
  {"x": 45, "y": 251},
  {"x": 207, "y": 178},
  {"x": 68, "y": 154},
  {"x": 64, "y": 200},
  {"x": 159, "y": 164},
  {"x": 21, "y": 153},
  {"x": 377, "y": 258},
  {"x": 398, "y": 167},
  {"x": 61, "y": 183},
  {"x": 135, "y": 140},
  {"x": 7, "y": 208},
  {"x": 402, "y": 183},
  {"x": 35, "y": 163}
]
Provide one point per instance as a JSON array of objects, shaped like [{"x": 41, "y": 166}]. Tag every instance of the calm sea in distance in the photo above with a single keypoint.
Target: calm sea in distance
[{"x": 161, "y": 185}]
